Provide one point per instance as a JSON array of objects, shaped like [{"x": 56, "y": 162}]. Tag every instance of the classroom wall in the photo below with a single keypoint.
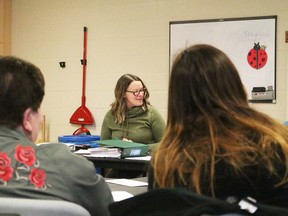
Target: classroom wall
[{"x": 124, "y": 36}]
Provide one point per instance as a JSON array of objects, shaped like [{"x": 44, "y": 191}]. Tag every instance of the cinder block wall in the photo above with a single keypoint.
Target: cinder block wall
[{"x": 124, "y": 36}]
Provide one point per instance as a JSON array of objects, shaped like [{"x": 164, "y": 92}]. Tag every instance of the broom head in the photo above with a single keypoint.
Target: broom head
[{"x": 82, "y": 116}]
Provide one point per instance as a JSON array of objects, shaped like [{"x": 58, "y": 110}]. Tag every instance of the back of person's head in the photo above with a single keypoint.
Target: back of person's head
[
  {"x": 209, "y": 119},
  {"x": 119, "y": 105},
  {"x": 203, "y": 78},
  {"x": 21, "y": 87}
]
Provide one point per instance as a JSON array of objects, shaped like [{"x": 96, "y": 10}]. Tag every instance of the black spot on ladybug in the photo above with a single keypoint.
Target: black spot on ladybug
[{"x": 257, "y": 56}]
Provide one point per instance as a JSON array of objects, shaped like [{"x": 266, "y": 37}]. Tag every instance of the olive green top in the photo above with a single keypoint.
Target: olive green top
[{"x": 140, "y": 126}]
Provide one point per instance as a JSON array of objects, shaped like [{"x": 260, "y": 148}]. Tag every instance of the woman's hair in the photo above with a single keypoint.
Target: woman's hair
[
  {"x": 209, "y": 119},
  {"x": 21, "y": 87},
  {"x": 118, "y": 107}
]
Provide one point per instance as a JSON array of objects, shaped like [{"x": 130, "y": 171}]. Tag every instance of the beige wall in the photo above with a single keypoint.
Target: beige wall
[
  {"x": 123, "y": 36},
  {"x": 5, "y": 27}
]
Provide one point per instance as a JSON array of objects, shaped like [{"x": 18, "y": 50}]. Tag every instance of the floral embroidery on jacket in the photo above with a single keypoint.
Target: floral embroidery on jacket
[
  {"x": 25, "y": 155},
  {"x": 37, "y": 177},
  {"x": 26, "y": 168},
  {"x": 6, "y": 170}
]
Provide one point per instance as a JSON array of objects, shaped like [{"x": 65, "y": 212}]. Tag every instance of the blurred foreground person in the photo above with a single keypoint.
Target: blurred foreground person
[
  {"x": 215, "y": 144},
  {"x": 48, "y": 171}
]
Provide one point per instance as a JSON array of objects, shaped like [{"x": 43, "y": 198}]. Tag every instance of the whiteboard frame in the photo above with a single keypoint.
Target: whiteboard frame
[{"x": 240, "y": 34}]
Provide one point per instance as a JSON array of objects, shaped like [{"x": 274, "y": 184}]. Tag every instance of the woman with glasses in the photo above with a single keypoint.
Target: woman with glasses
[{"x": 131, "y": 116}]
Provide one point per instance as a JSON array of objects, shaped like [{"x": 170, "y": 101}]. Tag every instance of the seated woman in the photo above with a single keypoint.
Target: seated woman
[
  {"x": 215, "y": 144},
  {"x": 132, "y": 118}
]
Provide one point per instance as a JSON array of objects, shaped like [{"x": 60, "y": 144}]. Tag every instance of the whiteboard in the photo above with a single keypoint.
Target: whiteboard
[{"x": 236, "y": 37}]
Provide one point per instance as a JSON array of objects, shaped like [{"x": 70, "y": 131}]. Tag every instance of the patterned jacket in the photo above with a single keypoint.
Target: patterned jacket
[{"x": 49, "y": 171}]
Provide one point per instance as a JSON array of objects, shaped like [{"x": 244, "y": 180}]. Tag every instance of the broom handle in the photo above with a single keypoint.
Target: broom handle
[{"x": 84, "y": 63}]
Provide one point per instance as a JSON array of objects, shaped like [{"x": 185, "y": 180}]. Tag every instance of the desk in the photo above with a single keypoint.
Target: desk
[{"x": 118, "y": 163}]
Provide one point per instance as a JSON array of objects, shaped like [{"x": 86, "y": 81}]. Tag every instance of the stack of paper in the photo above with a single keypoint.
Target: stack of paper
[
  {"x": 82, "y": 152},
  {"x": 105, "y": 152}
]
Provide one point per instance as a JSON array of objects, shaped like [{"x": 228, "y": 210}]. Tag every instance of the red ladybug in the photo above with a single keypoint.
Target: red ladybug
[{"x": 257, "y": 56}]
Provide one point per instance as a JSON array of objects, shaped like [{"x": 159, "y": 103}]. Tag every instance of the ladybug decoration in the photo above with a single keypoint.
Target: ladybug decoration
[{"x": 257, "y": 56}]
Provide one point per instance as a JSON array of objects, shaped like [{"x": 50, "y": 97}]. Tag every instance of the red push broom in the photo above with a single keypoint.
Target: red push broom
[{"x": 83, "y": 115}]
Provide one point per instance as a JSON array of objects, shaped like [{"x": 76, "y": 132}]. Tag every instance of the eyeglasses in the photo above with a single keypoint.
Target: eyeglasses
[{"x": 137, "y": 92}]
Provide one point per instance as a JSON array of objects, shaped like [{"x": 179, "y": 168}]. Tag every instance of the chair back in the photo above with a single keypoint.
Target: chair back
[
  {"x": 182, "y": 202},
  {"x": 35, "y": 207}
]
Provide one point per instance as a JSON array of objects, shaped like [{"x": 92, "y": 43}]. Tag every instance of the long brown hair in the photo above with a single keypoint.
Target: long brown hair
[
  {"x": 209, "y": 119},
  {"x": 118, "y": 107}
]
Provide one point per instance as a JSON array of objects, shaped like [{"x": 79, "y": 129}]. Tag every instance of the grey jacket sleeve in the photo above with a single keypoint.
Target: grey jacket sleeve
[{"x": 80, "y": 181}]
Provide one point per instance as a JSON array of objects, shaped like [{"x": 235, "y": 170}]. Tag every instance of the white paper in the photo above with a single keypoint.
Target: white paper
[
  {"x": 146, "y": 158},
  {"x": 100, "y": 152},
  {"x": 82, "y": 151},
  {"x": 121, "y": 195},
  {"x": 103, "y": 156},
  {"x": 127, "y": 182},
  {"x": 105, "y": 152}
]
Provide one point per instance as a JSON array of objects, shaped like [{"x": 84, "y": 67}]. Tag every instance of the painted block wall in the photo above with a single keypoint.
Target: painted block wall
[{"x": 124, "y": 36}]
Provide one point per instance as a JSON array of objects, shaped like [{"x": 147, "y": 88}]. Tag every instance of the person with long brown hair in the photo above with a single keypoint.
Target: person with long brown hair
[
  {"x": 215, "y": 143},
  {"x": 132, "y": 118}
]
